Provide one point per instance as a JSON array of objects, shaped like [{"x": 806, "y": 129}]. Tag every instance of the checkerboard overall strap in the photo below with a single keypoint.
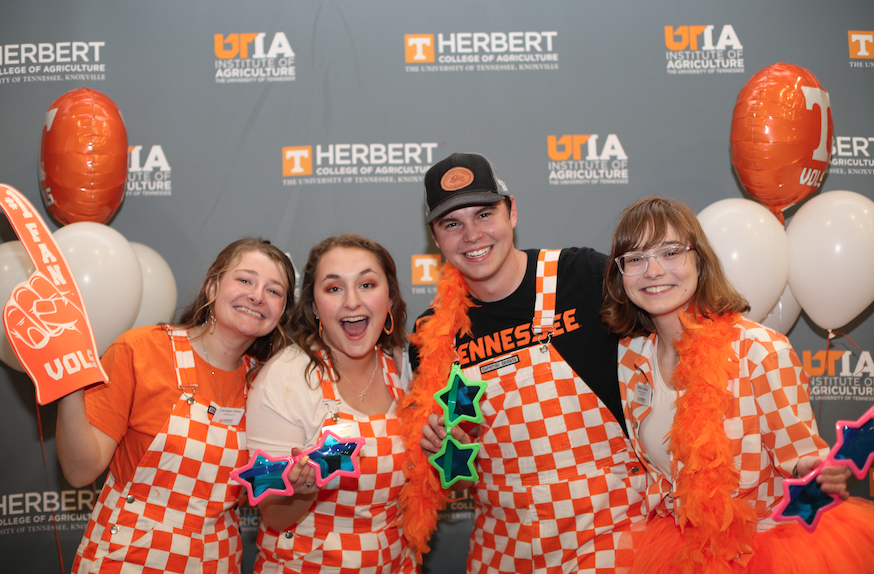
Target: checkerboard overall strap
[
  {"x": 388, "y": 368},
  {"x": 544, "y": 298},
  {"x": 183, "y": 359}
]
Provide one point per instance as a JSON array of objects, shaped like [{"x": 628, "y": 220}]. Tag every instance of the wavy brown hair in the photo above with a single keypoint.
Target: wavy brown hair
[
  {"x": 652, "y": 217},
  {"x": 198, "y": 311},
  {"x": 304, "y": 322}
]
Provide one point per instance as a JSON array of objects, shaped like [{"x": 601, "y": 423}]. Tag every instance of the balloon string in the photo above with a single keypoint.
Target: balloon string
[
  {"x": 42, "y": 445},
  {"x": 833, "y": 334}
]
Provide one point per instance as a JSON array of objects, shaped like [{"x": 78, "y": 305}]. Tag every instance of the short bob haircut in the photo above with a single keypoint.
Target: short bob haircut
[
  {"x": 199, "y": 311},
  {"x": 652, "y": 217},
  {"x": 304, "y": 322}
]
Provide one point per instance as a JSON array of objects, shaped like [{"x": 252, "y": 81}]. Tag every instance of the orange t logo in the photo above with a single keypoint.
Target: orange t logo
[
  {"x": 297, "y": 161},
  {"x": 688, "y": 36},
  {"x": 227, "y": 48},
  {"x": 861, "y": 44},
  {"x": 569, "y": 144},
  {"x": 425, "y": 269},
  {"x": 419, "y": 48}
]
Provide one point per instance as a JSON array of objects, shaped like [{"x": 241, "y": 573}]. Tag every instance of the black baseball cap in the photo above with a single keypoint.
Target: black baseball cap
[{"x": 460, "y": 180}]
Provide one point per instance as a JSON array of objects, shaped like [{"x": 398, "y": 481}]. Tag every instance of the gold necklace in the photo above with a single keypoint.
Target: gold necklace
[
  {"x": 372, "y": 375},
  {"x": 217, "y": 386}
]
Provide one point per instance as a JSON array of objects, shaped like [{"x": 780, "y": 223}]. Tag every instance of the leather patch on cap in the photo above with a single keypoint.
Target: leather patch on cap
[{"x": 456, "y": 178}]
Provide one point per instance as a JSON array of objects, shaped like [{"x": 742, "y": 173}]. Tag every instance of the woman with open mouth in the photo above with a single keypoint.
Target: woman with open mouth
[{"x": 346, "y": 373}]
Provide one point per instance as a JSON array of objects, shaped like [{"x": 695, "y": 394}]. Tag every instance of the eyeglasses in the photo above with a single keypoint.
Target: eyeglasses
[{"x": 670, "y": 257}]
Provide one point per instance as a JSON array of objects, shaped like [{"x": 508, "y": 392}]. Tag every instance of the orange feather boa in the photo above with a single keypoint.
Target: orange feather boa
[
  {"x": 422, "y": 497},
  {"x": 716, "y": 525}
]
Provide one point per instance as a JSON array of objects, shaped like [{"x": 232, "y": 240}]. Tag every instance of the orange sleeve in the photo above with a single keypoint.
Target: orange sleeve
[
  {"x": 132, "y": 408},
  {"x": 109, "y": 406}
]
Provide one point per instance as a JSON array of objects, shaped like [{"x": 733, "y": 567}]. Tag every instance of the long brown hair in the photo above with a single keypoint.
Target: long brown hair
[
  {"x": 654, "y": 216},
  {"x": 199, "y": 310},
  {"x": 304, "y": 322}
]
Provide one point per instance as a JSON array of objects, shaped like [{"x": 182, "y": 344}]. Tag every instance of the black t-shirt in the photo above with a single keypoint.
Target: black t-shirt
[{"x": 580, "y": 336}]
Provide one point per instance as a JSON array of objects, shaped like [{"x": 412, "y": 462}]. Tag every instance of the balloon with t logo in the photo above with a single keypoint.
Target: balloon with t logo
[
  {"x": 781, "y": 132},
  {"x": 83, "y": 157}
]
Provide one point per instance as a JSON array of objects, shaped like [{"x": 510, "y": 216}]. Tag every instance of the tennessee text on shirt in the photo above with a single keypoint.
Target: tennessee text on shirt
[{"x": 508, "y": 340}]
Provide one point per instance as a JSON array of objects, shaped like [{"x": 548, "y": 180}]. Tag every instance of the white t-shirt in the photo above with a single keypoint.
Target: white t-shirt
[
  {"x": 285, "y": 407},
  {"x": 654, "y": 432}
]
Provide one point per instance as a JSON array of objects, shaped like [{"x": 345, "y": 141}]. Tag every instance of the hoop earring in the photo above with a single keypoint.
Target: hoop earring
[
  {"x": 320, "y": 328},
  {"x": 211, "y": 320},
  {"x": 392, "y": 329}
]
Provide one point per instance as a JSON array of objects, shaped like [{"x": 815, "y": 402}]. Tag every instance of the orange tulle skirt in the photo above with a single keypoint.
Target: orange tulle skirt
[{"x": 843, "y": 543}]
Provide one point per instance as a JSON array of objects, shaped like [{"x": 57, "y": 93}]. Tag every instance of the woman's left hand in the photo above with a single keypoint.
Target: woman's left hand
[
  {"x": 302, "y": 476},
  {"x": 832, "y": 479},
  {"x": 282, "y": 512}
]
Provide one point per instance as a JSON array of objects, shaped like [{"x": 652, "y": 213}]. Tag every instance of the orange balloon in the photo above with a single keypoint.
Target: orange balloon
[
  {"x": 781, "y": 133},
  {"x": 83, "y": 157}
]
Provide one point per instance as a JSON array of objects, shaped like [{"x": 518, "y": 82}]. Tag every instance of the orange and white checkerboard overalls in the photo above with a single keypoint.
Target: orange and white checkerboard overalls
[
  {"x": 558, "y": 482},
  {"x": 177, "y": 512},
  {"x": 354, "y": 526}
]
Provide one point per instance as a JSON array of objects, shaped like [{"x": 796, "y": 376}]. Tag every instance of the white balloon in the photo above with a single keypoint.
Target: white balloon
[
  {"x": 831, "y": 274},
  {"x": 785, "y": 312},
  {"x": 159, "y": 288},
  {"x": 109, "y": 277},
  {"x": 753, "y": 249},
  {"x": 15, "y": 268}
]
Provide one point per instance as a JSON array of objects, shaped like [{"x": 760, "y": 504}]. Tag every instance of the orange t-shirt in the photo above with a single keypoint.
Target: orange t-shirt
[{"x": 142, "y": 390}]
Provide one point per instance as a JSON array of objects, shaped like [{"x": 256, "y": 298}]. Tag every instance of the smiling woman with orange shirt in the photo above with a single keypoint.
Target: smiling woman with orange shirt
[{"x": 171, "y": 424}]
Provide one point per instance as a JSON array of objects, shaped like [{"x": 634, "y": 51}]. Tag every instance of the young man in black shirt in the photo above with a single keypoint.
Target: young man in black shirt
[{"x": 557, "y": 482}]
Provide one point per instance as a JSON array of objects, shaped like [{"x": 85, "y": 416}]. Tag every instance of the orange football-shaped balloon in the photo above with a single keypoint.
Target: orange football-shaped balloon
[
  {"x": 781, "y": 132},
  {"x": 83, "y": 157}
]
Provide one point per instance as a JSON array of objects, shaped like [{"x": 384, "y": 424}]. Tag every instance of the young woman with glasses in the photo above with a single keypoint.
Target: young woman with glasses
[{"x": 718, "y": 411}]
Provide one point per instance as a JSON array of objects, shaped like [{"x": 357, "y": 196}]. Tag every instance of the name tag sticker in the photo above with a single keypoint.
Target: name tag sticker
[
  {"x": 228, "y": 416},
  {"x": 500, "y": 363},
  {"x": 642, "y": 394},
  {"x": 343, "y": 430}
]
